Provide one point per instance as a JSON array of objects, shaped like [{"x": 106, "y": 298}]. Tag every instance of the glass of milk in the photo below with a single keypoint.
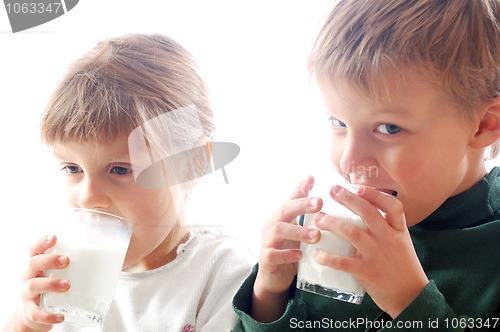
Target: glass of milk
[
  {"x": 96, "y": 244},
  {"x": 323, "y": 280}
]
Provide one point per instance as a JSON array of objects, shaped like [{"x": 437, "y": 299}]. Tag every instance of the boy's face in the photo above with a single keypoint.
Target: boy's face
[
  {"x": 416, "y": 143},
  {"x": 99, "y": 176}
]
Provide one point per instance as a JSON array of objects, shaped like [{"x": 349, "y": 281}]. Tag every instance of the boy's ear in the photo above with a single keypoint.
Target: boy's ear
[{"x": 488, "y": 130}]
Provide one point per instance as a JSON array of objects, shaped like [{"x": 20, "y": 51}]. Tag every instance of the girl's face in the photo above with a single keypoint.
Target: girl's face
[
  {"x": 416, "y": 144},
  {"x": 99, "y": 176}
]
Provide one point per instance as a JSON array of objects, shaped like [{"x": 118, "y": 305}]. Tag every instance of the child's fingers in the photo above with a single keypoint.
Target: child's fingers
[
  {"x": 272, "y": 256},
  {"x": 42, "y": 244},
  {"x": 391, "y": 206},
  {"x": 368, "y": 204},
  {"x": 34, "y": 287},
  {"x": 353, "y": 233},
  {"x": 296, "y": 207},
  {"x": 346, "y": 264},
  {"x": 359, "y": 206},
  {"x": 43, "y": 262},
  {"x": 303, "y": 188},
  {"x": 40, "y": 319},
  {"x": 281, "y": 232},
  {"x": 299, "y": 204}
]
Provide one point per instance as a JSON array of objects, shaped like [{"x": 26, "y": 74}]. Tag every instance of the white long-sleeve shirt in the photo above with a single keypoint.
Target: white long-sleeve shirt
[{"x": 193, "y": 293}]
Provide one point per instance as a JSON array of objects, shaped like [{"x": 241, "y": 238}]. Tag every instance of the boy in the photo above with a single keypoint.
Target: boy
[{"x": 412, "y": 91}]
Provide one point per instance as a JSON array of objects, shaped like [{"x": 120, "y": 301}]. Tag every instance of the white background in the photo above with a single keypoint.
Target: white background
[{"x": 253, "y": 56}]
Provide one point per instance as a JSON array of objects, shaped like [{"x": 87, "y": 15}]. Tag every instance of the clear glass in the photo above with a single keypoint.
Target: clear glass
[
  {"x": 322, "y": 280},
  {"x": 96, "y": 244}
]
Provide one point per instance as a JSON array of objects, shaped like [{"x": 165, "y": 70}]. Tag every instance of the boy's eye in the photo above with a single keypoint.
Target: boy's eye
[
  {"x": 71, "y": 169},
  {"x": 388, "y": 129},
  {"x": 121, "y": 170},
  {"x": 336, "y": 123}
]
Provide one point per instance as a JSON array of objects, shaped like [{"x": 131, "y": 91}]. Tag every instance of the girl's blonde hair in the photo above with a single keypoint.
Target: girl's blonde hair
[
  {"x": 126, "y": 82},
  {"x": 456, "y": 44}
]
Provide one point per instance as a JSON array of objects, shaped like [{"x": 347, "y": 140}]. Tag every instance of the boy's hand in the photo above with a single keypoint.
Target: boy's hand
[
  {"x": 280, "y": 253},
  {"x": 386, "y": 264},
  {"x": 30, "y": 317}
]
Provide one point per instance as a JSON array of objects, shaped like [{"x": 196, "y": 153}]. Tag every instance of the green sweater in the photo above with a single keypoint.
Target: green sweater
[{"x": 459, "y": 248}]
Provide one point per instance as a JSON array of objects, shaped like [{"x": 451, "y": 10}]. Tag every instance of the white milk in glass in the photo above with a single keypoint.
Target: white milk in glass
[
  {"x": 323, "y": 280},
  {"x": 97, "y": 250}
]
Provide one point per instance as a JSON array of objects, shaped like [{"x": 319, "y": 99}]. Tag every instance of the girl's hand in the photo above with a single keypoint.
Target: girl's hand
[
  {"x": 280, "y": 253},
  {"x": 386, "y": 264},
  {"x": 30, "y": 317}
]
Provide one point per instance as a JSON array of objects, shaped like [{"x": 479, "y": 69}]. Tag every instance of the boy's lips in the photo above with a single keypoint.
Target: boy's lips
[{"x": 387, "y": 191}]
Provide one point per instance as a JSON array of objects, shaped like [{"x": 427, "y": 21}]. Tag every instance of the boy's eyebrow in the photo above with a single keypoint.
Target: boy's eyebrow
[
  {"x": 400, "y": 111},
  {"x": 56, "y": 154}
]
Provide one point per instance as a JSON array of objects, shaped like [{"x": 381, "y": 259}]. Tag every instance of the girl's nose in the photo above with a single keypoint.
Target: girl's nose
[{"x": 92, "y": 195}]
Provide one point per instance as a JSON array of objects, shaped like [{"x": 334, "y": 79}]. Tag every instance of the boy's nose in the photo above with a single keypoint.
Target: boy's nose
[
  {"x": 357, "y": 159},
  {"x": 92, "y": 195}
]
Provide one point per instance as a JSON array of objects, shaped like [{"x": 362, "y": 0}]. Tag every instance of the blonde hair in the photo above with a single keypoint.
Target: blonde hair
[
  {"x": 456, "y": 44},
  {"x": 126, "y": 82}
]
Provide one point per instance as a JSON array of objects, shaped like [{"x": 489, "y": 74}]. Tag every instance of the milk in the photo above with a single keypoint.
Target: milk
[
  {"x": 92, "y": 274},
  {"x": 323, "y": 280},
  {"x": 96, "y": 244}
]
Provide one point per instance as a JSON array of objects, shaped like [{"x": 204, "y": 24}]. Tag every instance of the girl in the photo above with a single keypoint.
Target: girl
[{"x": 114, "y": 120}]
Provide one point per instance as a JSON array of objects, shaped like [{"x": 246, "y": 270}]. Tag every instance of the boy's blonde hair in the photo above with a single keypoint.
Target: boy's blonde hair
[
  {"x": 454, "y": 43},
  {"x": 122, "y": 84}
]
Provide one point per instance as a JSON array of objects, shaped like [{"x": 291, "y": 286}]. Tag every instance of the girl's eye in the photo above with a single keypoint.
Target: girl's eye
[
  {"x": 71, "y": 169},
  {"x": 336, "y": 123},
  {"x": 388, "y": 129},
  {"x": 121, "y": 170}
]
